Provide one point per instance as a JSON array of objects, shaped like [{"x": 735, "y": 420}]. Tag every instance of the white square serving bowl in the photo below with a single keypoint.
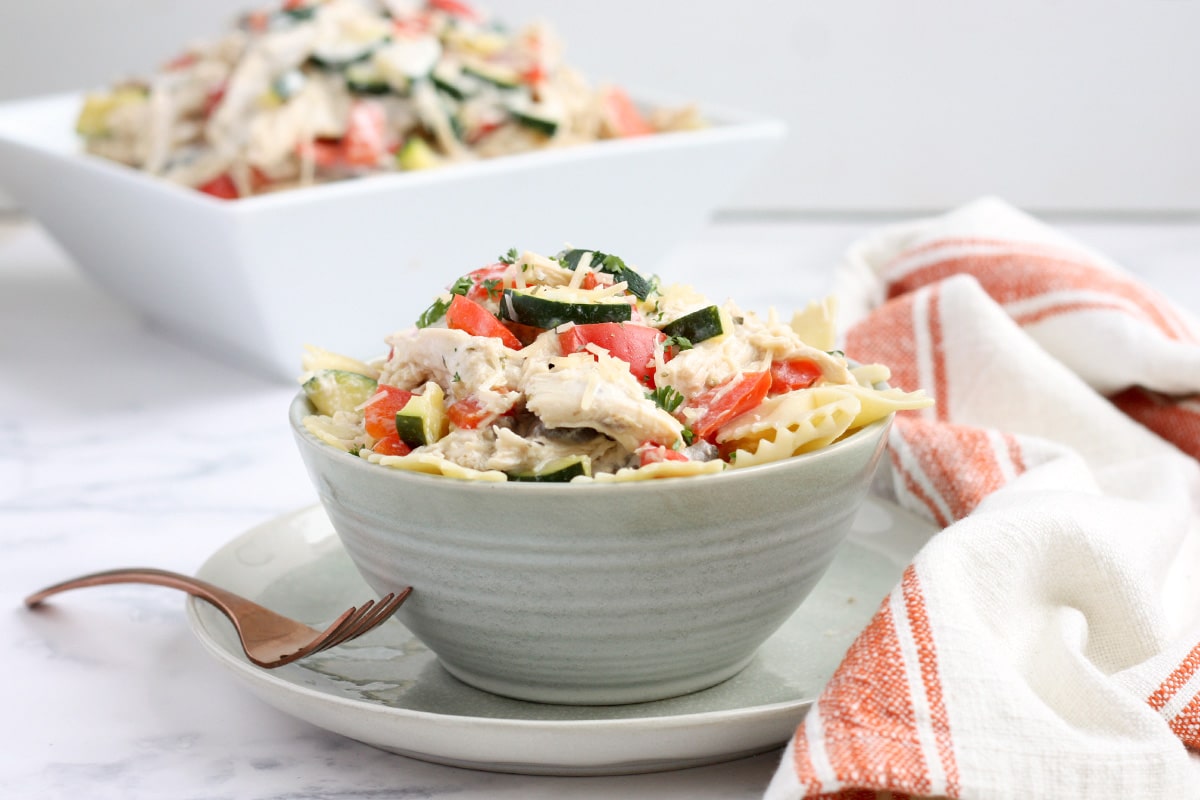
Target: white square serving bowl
[{"x": 342, "y": 264}]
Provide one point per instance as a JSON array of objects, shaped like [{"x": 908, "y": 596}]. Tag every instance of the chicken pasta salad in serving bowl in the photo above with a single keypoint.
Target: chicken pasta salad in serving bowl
[
  {"x": 568, "y": 459},
  {"x": 221, "y": 194},
  {"x": 320, "y": 90}
]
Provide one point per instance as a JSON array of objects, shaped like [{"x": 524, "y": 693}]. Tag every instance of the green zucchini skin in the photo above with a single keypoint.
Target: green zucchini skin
[
  {"x": 706, "y": 323},
  {"x": 333, "y": 390},
  {"x": 560, "y": 471},
  {"x": 543, "y": 312},
  {"x": 638, "y": 285}
]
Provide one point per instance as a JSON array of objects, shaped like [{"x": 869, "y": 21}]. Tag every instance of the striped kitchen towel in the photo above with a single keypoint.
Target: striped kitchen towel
[{"x": 1046, "y": 642}]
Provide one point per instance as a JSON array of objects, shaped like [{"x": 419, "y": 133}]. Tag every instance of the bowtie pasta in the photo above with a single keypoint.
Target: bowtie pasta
[{"x": 579, "y": 368}]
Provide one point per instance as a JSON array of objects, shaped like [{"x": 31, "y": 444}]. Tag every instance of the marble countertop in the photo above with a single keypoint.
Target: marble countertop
[{"x": 120, "y": 446}]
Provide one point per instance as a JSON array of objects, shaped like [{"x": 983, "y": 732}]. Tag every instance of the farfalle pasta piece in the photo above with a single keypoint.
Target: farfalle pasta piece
[
  {"x": 815, "y": 324},
  {"x": 661, "y": 469},
  {"x": 343, "y": 431},
  {"x": 790, "y": 424},
  {"x": 878, "y": 403},
  {"x": 433, "y": 464}
]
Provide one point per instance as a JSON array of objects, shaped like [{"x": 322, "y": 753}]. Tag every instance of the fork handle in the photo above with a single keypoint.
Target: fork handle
[{"x": 223, "y": 600}]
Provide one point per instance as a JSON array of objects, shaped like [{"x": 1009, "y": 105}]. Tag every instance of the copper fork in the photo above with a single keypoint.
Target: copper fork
[{"x": 270, "y": 640}]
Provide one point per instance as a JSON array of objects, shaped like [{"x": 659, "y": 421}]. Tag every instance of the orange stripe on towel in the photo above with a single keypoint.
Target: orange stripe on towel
[
  {"x": 957, "y": 460},
  {"x": 1169, "y": 418},
  {"x": 870, "y": 727},
  {"x": 922, "y": 634},
  {"x": 1176, "y": 680},
  {"x": 1186, "y": 724},
  {"x": 1019, "y": 274}
]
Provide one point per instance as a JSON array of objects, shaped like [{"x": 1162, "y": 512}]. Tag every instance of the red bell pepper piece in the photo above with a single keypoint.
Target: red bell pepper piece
[
  {"x": 392, "y": 445},
  {"x": 633, "y": 344},
  {"x": 468, "y": 414},
  {"x": 651, "y": 453},
  {"x": 622, "y": 115},
  {"x": 379, "y": 414},
  {"x": 467, "y": 315},
  {"x": 365, "y": 142},
  {"x": 221, "y": 186},
  {"x": 456, "y": 8},
  {"x": 487, "y": 282},
  {"x": 731, "y": 399},
  {"x": 798, "y": 373}
]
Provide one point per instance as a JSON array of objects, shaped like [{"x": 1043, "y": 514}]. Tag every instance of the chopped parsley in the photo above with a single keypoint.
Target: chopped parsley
[
  {"x": 688, "y": 435},
  {"x": 680, "y": 343},
  {"x": 433, "y": 313},
  {"x": 438, "y": 309},
  {"x": 510, "y": 257},
  {"x": 457, "y": 378},
  {"x": 666, "y": 398},
  {"x": 493, "y": 287}
]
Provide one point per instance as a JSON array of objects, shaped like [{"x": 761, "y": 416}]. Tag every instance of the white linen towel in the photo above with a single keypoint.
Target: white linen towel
[{"x": 1046, "y": 643}]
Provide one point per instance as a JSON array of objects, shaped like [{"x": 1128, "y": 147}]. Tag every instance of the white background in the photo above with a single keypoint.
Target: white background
[{"x": 893, "y": 105}]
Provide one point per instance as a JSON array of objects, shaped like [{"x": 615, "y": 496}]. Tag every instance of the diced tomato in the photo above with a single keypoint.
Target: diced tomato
[
  {"x": 467, "y": 315},
  {"x": 487, "y": 282},
  {"x": 182, "y": 61},
  {"x": 622, "y": 115},
  {"x": 525, "y": 333},
  {"x": 456, "y": 8},
  {"x": 590, "y": 281},
  {"x": 325, "y": 153},
  {"x": 651, "y": 453},
  {"x": 294, "y": 5},
  {"x": 731, "y": 399},
  {"x": 534, "y": 74},
  {"x": 379, "y": 414},
  {"x": 392, "y": 445},
  {"x": 468, "y": 414},
  {"x": 798, "y": 373},
  {"x": 365, "y": 142},
  {"x": 633, "y": 344},
  {"x": 221, "y": 186}
]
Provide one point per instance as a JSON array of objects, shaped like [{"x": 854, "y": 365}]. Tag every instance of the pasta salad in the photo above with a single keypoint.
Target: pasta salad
[
  {"x": 321, "y": 90},
  {"x": 577, "y": 367}
]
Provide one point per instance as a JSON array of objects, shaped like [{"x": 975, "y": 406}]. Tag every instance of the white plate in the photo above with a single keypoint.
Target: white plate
[
  {"x": 343, "y": 264},
  {"x": 387, "y": 690}
]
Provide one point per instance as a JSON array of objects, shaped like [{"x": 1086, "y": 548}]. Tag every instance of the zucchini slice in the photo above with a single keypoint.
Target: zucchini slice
[
  {"x": 449, "y": 79},
  {"x": 498, "y": 75},
  {"x": 638, "y": 285},
  {"x": 423, "y": 420},
  {"x": 407, "y": 60},
  {"x": 707, "y": 323},
  {"x": 364, "y": 78},
  {"x": 333, "y": 390},
  {"x": 560, "y": 470},
  {"x": 541, "y": 117},
  {"x": 336, "y": 58},
  {"x": 550, "y": 309}
]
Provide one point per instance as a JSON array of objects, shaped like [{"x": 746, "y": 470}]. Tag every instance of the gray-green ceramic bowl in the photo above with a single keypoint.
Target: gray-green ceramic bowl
[{"x": 595, "y": 593}]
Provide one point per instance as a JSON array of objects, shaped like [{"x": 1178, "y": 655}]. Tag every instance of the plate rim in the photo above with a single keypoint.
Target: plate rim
[{"x": 259, "y": 681}]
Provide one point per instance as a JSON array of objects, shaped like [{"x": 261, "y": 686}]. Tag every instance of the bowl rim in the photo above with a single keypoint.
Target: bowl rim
[
  {"x": 871, "y": 432},
  {"x": 729, "y": 125}
]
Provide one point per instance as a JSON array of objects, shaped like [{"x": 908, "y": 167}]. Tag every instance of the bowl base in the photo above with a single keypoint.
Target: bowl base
[{"x": 584, "y": 694}]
